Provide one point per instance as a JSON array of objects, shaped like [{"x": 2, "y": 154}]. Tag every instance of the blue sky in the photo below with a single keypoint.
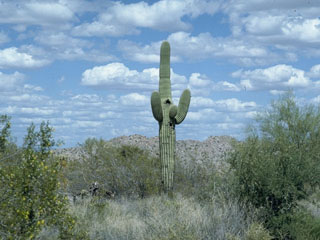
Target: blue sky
[{"x": 89, "y": 67}]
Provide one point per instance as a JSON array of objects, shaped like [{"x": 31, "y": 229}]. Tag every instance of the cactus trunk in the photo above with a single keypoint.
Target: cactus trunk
[
  {"x": 168, "y": 115},
  {"x": 167, "y": 142}
]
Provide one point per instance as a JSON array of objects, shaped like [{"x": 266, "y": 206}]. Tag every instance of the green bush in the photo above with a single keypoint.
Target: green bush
[
  {"x": 29, "y": 189},
  {"x": 257, "y": 232},
  {"x": 125, "y": 170},
  {"x": 202, "y": 180},
  {"x": 278, "y": 163},
  {"x": 303, "y": 225}
]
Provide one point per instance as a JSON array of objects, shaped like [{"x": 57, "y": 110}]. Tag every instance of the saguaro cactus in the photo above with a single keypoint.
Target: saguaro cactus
[{"x": 168, "y": 115}]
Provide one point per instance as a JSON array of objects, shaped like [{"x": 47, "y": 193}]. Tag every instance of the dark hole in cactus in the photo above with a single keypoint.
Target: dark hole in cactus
[{"x": 168, "y": 101}]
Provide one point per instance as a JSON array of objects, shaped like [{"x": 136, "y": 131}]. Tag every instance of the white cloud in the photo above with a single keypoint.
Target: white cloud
[
  {"x": 314, "y": 71},
  {"x": 99, "y": 28},
  {"x": 228, "y": 126},
  {"x": 28, "y": 98},
  {"x": 278, "y": 77},
  {"x": 302, "y": 7},
  {"x": 135, "y": 99},
  {"x": 35, "y": 13},
  {"x": 231, "y": 105},
  {"x": 198, "y": 102},
  {"x": 203, "y": 115},
  {"x": 35, "y": 120},
  {"x": 234, "y": 105},
  {"x": 87, "y": 100},
  {"x": 12, "y": 58},
  {"x": 60, "y": 39},
  {"x": 305, "y": 30},
  {"x": 279, "y": 28},
  {"x": 59, "y": 45},
  {"x": 201, "y": 85},
  {"x": 226, "y": 86},
  {"x": 288, "y": 26},
  {"x": 108, "y": 75},
  {"x": 118, "y": 76},
  {"x": 204, "y": 46},
  {"x": 199, "y": 80},
  {"x": 109, "y": 114},
  {"x": 316, "y": 100},
  {"x": 121, "y": 19},
  {"x": 37, "y": 111},
  {"x": 145, "y": 54},
  {"x": 86, "y": 124},
  {"x": 28, "y": 110},
  {"x": 277, "y": 92},
  {"x": 10, "y": 81},
  {"x": 32, "y": 88}
]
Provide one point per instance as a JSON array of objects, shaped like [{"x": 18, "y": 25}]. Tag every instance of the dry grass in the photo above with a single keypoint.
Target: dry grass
[{"x": 159, "y": 217}]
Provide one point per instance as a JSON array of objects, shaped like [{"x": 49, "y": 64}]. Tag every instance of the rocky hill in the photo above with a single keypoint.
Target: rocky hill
[{"x": 212, "y": 149}]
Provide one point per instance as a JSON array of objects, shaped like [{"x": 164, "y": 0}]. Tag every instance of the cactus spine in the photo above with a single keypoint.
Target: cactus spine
[{"x": 168, "y": 115}]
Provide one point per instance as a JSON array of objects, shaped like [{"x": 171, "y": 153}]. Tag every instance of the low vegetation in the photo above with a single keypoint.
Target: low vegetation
[
  {"x": 268, "y": 188},
  {"x": 278, "y": 165},
  {"x": 30, "y": 183}
]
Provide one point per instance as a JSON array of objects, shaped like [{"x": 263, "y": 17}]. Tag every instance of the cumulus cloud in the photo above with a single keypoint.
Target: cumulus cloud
[
  {"x": 203, "y": 46},
  {"x": 226, "y": 86},
  {"x": 278, "y": 77},
  {"x": 134, "y": 99},
  {"x": 281, "y": 25},
  {"x": 86, "y": 124},
  {"x": 10, "y": 81},
  {"x": 199, "y": 80},
  {"x": 118, "y": 76},
  {"x": 13, "y": 58},
  {"x": 28, "y": 110},
  {"x": 59, "y": 39},
  {"x": 35, "y": 13},
  {"x": 122, "y": 19},
  {"x": 234, "y": 105},
  {"x": 202, "y": 102},
  {"x": 28, "y": 98},
  {"x": 316, "y": 100},
  {"x": 59, "y": 45},
  {"x": 224, "y": 105},
  {"x": 87, "y": 99},
  {"x": 314, "y": 71}
]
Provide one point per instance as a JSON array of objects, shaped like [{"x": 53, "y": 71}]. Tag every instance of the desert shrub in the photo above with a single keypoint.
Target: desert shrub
[
  {"x": 161, "y": 217},
  {"x": 29, "y": 189},
  {"x": 278, "y": 163},
  {"x": 201, "y": 179},
  {"x": 256, "y": 231},
  {"x": 125, "y": 170},
  {"x": 303, "y": 225}
]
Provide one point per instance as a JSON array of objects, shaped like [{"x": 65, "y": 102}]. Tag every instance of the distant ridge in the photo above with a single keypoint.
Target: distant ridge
[{"x": 212, "y": 149}]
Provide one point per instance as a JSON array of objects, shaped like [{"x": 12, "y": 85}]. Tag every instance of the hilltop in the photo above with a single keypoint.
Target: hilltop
[{"x": 213, "y": 148}]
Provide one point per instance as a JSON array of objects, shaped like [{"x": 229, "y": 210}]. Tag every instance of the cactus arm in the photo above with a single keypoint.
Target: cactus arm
[
  {"x": 156, "y": 106},
  {"x": 183, "y": 106},
  {"x": 173, "y": 111},
  {"x": 164, "y": 71}
]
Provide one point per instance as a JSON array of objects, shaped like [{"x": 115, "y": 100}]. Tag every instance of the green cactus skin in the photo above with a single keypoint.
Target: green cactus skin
[{"x": 168, "y": 115}]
